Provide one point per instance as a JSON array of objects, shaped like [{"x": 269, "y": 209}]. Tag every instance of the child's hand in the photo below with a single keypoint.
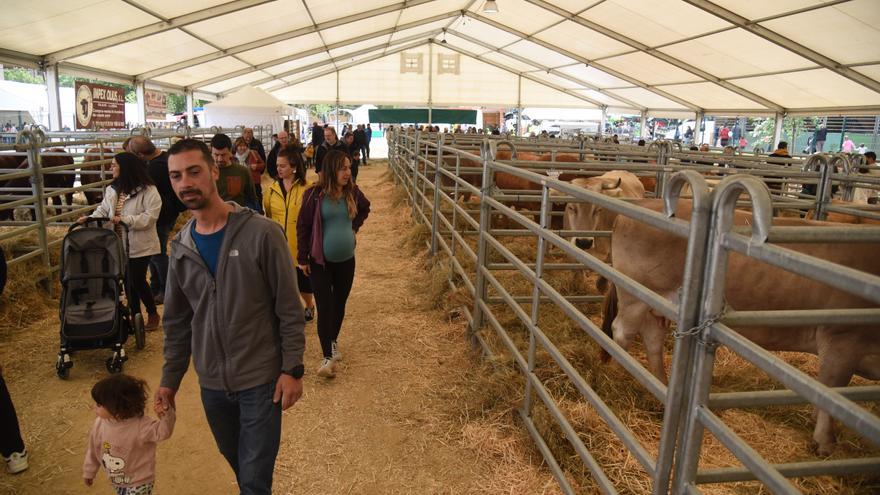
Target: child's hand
[{"x": 88, "y": 481}]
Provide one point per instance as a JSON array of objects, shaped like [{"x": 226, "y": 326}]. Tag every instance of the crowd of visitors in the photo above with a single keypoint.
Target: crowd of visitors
[{"x": 291, "y": 245}]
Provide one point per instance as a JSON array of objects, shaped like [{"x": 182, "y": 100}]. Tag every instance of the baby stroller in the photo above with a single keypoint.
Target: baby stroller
[{"x": 92, "y": 313}]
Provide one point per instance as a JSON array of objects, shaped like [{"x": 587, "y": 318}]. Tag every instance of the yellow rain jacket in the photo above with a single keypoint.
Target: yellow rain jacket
[{"x": 284, "y": 208}]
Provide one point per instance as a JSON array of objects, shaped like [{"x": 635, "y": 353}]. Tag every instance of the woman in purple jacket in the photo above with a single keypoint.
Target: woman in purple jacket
[{"x": 332, "y": 212}]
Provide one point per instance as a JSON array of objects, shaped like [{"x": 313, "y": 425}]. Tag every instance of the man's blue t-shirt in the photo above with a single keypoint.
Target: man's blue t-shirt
[{"x": 209, "y": 246}]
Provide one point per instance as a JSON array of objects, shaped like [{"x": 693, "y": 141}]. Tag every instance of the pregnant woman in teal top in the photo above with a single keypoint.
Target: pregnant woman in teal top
[{"x": 332, "y": 212}]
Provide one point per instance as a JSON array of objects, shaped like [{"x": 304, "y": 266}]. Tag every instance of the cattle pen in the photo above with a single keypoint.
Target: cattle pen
[{"x": 483, "y": 264}]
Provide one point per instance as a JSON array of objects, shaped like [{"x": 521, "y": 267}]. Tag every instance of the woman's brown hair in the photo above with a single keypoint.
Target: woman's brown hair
[
  {"x": 333, "y": 161},
  {"x": 293, "y": 154}
]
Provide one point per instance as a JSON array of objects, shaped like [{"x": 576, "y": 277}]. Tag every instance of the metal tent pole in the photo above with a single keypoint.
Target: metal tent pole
[{"x": 50, "y": 74}]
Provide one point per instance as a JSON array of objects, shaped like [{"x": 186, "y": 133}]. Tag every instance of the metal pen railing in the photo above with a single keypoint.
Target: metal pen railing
[
  {"x": 90, "y": 153},
  {"x": 431, "y": 171}
]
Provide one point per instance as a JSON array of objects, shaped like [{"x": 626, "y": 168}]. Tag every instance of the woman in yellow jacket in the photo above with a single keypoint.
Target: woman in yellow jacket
[{"x": 282, "y": 204}]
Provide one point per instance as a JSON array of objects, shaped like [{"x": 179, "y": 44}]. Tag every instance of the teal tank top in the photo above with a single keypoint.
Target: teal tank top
[{"x": 338, "y": 236}]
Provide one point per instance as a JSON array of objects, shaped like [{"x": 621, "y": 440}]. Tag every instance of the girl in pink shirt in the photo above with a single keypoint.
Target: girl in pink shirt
[{"x": 122, "y": 439}]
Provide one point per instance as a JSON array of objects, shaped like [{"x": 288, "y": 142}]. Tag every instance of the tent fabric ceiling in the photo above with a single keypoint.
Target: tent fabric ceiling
[{"x": 713, "y": 56}]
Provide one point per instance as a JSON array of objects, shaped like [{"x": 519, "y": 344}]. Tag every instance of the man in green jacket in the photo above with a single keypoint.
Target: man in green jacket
[
  {"x": 247, "y": 346},
  {"x": 234, "y": 182}
]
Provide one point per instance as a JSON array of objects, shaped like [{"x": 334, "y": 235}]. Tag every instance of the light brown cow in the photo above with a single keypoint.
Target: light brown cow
[
  {"x": 656, "y": 259},
  {"x": 587, "y": 216},
  {"x": 836, "y": 217}
]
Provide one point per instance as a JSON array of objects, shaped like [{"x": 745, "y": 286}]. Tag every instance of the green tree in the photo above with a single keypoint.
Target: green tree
[
  {"x": 765, "y": 128},
  {"x": 22, "y": 75},
  {"x": 175, "y": 103}
]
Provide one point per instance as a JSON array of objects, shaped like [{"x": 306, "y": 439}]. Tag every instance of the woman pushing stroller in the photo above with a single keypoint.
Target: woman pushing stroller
[{"x": 133, "y": 199}]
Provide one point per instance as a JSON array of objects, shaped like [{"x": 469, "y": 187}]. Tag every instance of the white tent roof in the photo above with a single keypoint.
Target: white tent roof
[{"x": 659, "y": 56}]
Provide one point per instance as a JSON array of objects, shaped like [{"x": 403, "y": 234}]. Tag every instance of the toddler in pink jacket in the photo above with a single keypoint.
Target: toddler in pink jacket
[{"x": 123, "y": 440}]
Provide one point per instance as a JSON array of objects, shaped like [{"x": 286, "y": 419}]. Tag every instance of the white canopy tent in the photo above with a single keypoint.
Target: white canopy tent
[
  {"x": 656, "y": 57},
  {"x": 248, "y": 106}
]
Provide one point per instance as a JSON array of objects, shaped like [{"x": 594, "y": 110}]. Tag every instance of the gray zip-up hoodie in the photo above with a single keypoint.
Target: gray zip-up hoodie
[{"x": 243, "y": 326}]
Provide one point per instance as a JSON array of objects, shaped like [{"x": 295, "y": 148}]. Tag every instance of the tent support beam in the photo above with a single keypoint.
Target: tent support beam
[
  {"x": 657, "y": 53},
  {"x": 116, "y": 77},
  {"x": 547, "y": 69},
  {"x": 602, "y": 121},
  {"x": 321, "y": 49},
  {"x": 699, "y": 117},
  {"x": 141, "y": 102},
  {"x": 281, "y": 37},
  {"x": 333, "y": 61},
  {"x": 520, "y": 74},
  {"x": 786, "y": 43},
  {"x": 519, "y": 107},
  {"x": 777, "y": 130},
  {"x": 151, "y": 29},
  {"x": 189, "y": 109},
  {"x": 343, "y": 67},
  {"x": 13, "y": 57},
  {"x": 430, "y": 81},
  {"x": 574, "y": 56},
  {"x": 417, "y": 44},
  {"x": 50, "y": 74},
  {"x": 643, "y": 123}
]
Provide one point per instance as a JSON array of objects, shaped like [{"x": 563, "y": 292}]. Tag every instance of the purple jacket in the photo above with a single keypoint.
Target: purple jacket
[{"x": 310, "y": 233}]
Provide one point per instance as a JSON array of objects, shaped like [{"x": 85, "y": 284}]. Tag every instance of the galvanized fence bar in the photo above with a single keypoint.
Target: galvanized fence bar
[
  {"x": 39, "y": 201},
  {"x": 827, "y": 400},
  {"x": 843, "y": 409},
  {"x": 688, "y": 313},
  {"x": 763, "y": 398}
]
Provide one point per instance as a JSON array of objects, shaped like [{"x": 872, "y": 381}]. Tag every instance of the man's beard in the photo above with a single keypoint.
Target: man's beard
[{"x": 196, "y": 199}]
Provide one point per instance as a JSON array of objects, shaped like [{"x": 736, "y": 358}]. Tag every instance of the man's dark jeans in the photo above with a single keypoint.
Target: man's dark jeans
[
  {"x": 159, "y": 262},
  {"x": 247, "y": 428}
]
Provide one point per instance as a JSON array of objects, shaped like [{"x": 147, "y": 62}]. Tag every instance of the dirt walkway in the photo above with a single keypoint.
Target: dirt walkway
[{"x": 384, "y": 425}]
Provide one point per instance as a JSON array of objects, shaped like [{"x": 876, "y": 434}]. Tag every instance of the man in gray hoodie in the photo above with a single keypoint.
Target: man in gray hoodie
[{"x": 231, "y": 302}]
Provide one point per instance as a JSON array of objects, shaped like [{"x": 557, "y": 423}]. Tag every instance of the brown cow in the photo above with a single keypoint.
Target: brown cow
[
  {"x": 843, "y": 217},
  {"x": 50, "y": 180},
  {"x": 656, "y": 260},
  {"x": 94, "y": 155},
  {"x": 9, "y": 162}
]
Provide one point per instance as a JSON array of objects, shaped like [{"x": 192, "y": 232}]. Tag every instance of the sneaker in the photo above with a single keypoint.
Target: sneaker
[
  {"x": 17, "y": 462},
  {"x": 334, "y": 349},
  {"x": 310, "y": 314},
  {"x": 326, "y": 370}
]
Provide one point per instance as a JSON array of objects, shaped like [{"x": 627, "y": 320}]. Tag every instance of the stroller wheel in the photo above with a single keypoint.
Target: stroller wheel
[
  {"x": 62, "y": 370},
  {"x": 63, "y": 365},
  {"x": 140, "y": 338},
  {"x": 114, "y": 364}
]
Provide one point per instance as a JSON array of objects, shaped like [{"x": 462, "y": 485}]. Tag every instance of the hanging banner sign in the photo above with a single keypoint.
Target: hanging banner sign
[
  {"x": 99, "y": 106},
  {"x": 156, "y": 104}
]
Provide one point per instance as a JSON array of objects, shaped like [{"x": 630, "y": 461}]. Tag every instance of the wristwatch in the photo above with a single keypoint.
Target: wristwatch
[{"x": 296, "y": 372}]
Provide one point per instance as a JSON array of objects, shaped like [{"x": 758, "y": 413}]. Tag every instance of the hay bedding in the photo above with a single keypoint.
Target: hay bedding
[
  {"x": 398, "y": 419},
  {"x": 780, "y": 434}
]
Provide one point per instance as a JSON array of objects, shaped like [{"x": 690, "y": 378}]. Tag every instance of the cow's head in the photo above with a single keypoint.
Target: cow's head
[{"x": 588, "y": 216}]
